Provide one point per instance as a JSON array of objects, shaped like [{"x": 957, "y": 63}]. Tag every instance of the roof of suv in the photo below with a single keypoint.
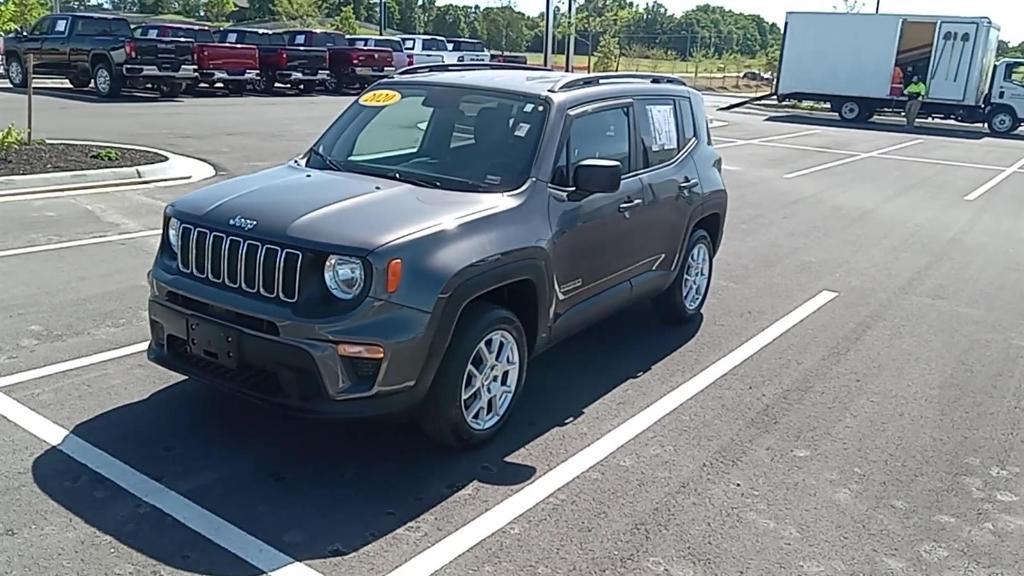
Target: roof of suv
[{"x": 539, "y": 82}]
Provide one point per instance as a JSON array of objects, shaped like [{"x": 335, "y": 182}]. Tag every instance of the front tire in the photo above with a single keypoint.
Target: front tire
[
  {"x": 107, "y": 82},
  {"x": 16, "y": 74},
  {"x": 479, "y": 380},
  {"x": 684, "y": 299},
  {"x": 1003, "y": 121}
]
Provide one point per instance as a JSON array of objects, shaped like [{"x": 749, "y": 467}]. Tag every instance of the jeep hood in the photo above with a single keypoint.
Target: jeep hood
[{"x": 325, "y": 210}]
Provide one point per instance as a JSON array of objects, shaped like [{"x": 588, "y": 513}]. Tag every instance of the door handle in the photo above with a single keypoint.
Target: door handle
[
  {"x": 630, "y": 204},
  {"x": 687, "y": 185}
]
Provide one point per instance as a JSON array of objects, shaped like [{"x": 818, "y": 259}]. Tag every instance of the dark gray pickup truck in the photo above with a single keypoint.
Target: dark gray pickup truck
[
  {"x": 453, "y": 222},
  {"x": 99, "y": 49}
]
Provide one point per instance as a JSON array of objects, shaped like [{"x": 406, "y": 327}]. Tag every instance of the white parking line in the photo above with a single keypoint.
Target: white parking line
[
  {"x": 766, "y": 139},
  {"x": 993, "y": 182},
  {"x": 74, "y": 243},
  {"x": 455, "y": 544},
  {"x": 205, "y": 523},
  {"x": 849, "y": 160},
  {"x": 52, "y": 369}
]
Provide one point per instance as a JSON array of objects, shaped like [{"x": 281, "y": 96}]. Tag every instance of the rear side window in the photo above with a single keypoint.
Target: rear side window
[
  {"x": 660, "y": 131},
  {"x": 393, "y": 45},
  {"x": 101, "y": 27},
  {"x": 435, "y": 45},
  {"x": 603, "y": 134},
  {"x": 409, "y": 44}
]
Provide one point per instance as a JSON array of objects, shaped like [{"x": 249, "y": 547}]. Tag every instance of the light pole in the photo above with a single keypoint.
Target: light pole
[
  {"x": 549, "y": 32},
  {"x": 570, "y": 41}
]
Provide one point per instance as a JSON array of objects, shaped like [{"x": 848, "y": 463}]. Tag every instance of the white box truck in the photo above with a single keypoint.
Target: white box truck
[{"x": 860, "y": 64}]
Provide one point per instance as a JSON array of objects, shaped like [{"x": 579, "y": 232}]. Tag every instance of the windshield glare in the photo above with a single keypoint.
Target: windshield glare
[{"x": 460, "y": 139}]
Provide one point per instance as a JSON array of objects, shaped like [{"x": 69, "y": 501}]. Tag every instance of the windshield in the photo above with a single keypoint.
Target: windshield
[{"x": 458, "y": 139}]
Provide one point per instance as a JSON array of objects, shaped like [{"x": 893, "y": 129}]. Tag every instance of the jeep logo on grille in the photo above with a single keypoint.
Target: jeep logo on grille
[{"x": 243, "y": 223}]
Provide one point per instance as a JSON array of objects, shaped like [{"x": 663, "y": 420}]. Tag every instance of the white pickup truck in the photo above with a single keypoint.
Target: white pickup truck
[
  {"x": 425, "y": 49},
  {"x": 403, "y": 58},
  {"x": 466, "y": 50}
]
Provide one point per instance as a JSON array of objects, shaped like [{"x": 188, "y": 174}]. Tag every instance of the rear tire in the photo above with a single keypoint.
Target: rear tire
[
  {"x": 307, "y": 87},
  {"x": 80, "y": 82},
  {"x": 171, "y": 89},
  {"x": 16, "y": 73},
  {"x": 678, "y": 304},
  {"x": 264, "y": 84},
  {"x": 107, "y": 83},
  {"x": 851, "y": 111},
  {"x": 236, "y": 88},
  {"x": 447, "y": 414}
]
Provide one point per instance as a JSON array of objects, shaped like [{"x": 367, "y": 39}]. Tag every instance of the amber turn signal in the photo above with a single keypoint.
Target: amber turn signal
[
  {"x": 394, "y": 275},
  {"x": 370, "y": 351}
]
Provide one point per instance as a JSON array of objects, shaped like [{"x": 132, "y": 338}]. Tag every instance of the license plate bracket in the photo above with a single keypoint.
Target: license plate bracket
[{"x": 213, "y": 342}]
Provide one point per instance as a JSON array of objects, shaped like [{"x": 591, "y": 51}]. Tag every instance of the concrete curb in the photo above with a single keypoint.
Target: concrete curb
[{"x": 176, "y": 169}]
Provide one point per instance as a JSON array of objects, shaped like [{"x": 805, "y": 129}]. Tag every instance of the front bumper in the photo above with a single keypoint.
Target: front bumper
[
  {"x": 228, "y": 76},
  {"x": 186, "y": 72},
  {"x": 289, "y": 77},
  {"x": 290, "y": 362}
]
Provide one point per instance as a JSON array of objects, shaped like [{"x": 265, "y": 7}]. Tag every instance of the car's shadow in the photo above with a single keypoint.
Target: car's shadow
[
  {"x": 316, "y": 489},
  {"x": 895, "y": 125}
]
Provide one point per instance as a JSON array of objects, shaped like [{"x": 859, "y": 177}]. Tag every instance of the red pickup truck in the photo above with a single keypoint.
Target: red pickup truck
[
  {"x": 299, "y": 67},
  {"x": 233, "y": 66},
  {"x": 350, "y": 66}
]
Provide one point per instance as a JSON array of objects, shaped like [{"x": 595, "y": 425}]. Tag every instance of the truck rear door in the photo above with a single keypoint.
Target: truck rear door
[{"x": 952, "y": 60}]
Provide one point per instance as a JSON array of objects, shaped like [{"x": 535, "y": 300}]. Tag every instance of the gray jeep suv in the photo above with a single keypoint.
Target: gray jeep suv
[{"x": 453, "y": 222}]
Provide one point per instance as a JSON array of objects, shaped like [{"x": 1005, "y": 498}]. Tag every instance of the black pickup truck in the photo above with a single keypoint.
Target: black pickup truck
[
  {"x": 296, "y": 66},
  {"x": 99, "y": 49}
]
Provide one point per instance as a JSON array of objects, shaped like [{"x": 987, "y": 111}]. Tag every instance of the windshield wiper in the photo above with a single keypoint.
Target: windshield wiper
[
  {"x": 392, "y": 174},
  {"x": 330, "y": 162}
]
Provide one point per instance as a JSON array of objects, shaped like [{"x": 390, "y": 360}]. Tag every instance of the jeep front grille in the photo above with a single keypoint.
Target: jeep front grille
[{"x": 251, "y": 266}]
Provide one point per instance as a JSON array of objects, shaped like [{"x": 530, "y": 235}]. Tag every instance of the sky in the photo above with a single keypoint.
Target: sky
[{"x": 1009, "y": 14}]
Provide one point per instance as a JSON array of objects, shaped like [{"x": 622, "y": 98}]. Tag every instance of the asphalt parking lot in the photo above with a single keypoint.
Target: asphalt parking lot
[{"x": 878, "y": 432}]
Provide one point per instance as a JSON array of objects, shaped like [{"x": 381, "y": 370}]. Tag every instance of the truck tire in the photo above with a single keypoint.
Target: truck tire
[
  {"x": 16, "y": 73},
  {"x": 265, "y": 83},
  {"x": 170, "y": 89},
  {"x": 108, "y": 83},
  {"x": 479, "y": 380},
  {"x": 683, "y": 300},
  {"x": 236, "y": 88},
  {"x": 1003, "y": 120},
  {"x": 851, "y": 111},
  {"x": 80, "y": 82},
  {"x": 307, "y": 87}
]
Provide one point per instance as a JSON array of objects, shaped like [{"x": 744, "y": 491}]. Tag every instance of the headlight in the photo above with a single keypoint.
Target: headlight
[
  {"x": 344, "y": 276},
  {"x": 172, "y": 233}
]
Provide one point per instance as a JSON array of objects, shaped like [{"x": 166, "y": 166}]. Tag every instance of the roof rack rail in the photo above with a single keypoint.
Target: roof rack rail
[
  {"x": 465, "y": 66},
  {"x": 579, "y": 81}
]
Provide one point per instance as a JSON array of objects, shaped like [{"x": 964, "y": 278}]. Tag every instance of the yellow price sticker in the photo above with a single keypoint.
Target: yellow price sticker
[{"x": 380, "y": 98}]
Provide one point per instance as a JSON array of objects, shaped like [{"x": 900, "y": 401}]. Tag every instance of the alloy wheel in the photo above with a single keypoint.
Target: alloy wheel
[
  {"x": 490, "y": 380},
  {"x": 696, "y": 276}
]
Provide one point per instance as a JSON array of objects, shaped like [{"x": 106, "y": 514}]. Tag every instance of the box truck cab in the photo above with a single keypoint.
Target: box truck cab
[{"x": 860, "y": 64}]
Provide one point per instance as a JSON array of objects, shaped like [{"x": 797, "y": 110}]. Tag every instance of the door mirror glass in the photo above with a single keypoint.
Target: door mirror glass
[{"x": 597, "y": 176}]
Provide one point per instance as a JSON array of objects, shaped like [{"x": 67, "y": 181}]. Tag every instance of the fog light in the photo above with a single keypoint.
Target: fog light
[{"x": 371, "y": 351}]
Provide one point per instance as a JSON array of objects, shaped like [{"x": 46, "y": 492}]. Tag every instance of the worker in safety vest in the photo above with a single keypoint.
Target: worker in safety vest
[{"x": 915, "y": 93}]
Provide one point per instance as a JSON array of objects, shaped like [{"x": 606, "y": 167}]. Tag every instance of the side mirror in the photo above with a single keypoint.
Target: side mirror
[{"x": 596, "y": 176}]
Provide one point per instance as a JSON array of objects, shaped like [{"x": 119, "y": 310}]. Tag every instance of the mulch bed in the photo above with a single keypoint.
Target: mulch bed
[{"x": 43, "y": 158}]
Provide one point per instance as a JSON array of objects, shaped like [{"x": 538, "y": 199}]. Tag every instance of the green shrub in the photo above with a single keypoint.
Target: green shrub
[
  {"x": 106, "y": 155},
  {"x": 11, "y": 138}
]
